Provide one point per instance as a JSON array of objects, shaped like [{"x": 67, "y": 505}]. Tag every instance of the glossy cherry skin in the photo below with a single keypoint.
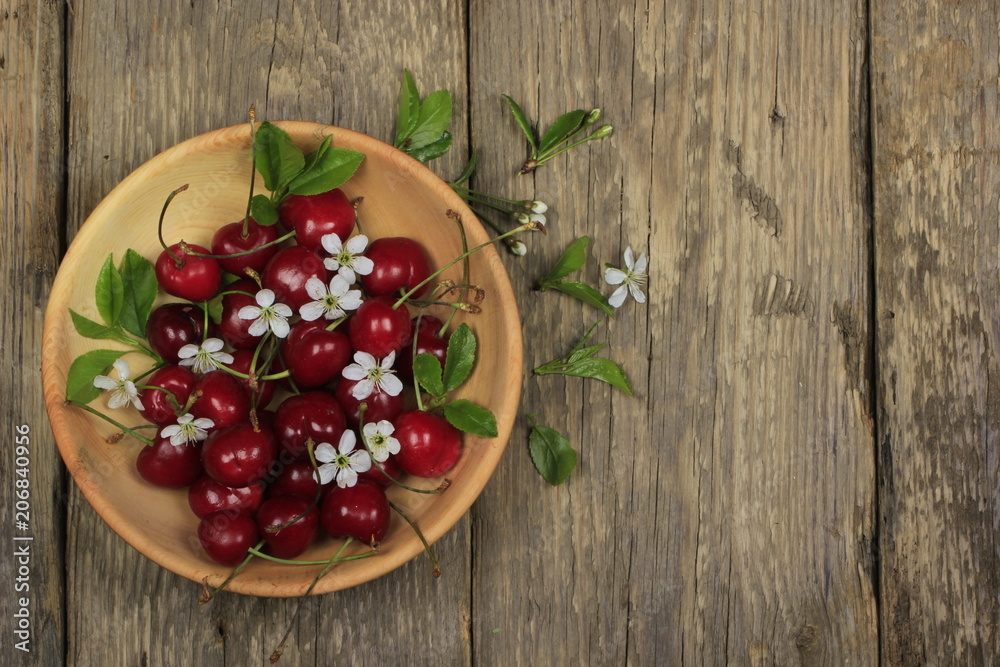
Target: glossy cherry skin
[
  {"x": 265, "y": 388},
  {"x": 172, "y": 326},
  {"x": 207, "y": 496},
  {"x": 377, "y": 329},
  {"x": 223, "y": 399},
  {"x": 391, "y": 467},
  {"x": 234, "y": 329},
  {"x": 380, "y": 404},
  {"x": 237, "y": 455},
  {"x": 195, "y": 279},
  {"x": 167, "y": 465},
  {"x": 360, "y": 511},
  {"x": 287, "y": 273},
  {"x": 313, "y": 355},
  {"x": 428, "y": 445},
  {"x": 295, "y": 479},
  {"x": 292, "y": 540},
  {"x": 156, "y": 406},
  {"x": 428, "y": 342},
  {"x": 229, "y": 240},
  {"x": 314, "y": 216},
  {"x": 227, "y": 536},
  {"x": 400, "y": 265},
  {"x": 315, "y": 415}
]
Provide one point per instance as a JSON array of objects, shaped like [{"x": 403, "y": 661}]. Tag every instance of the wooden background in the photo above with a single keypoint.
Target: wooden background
[{"x": 810, "y": 470}]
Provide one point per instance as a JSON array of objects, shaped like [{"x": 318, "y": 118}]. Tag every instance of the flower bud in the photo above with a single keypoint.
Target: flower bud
[
  {"x": 537, "y": 217},
  {"x": 538, "y": 207},
  {"x": 518, "y": 248},
  {"x": 603, "y": 131},
  {"x": 592, "y": 117},
  {"x": 522, "y": 218}
]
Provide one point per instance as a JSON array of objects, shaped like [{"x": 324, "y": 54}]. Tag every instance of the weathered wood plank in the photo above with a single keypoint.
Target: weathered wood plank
[
  {"x": 32, "y": 188},
  {"x": 937, "y": 211},
  {"x": 725, "y": 514},
  {"x": 144, "y": 77}
]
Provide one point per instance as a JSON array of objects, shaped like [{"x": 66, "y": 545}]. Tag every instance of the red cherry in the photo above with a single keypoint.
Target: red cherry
[
  {"x": 400, "y": 264},
  {"x": 391, "y": 467},
  {"x": 229, "y": 240},
  {"x": 206, "y": 496},
  {"x": 174, "y": 325},
  {"x": 193, "y": 278},
  {"x": 314, "y": 216},
  {"x": 295, "y": 479},
  {"x": 265, "y": 388},
  {"x": 156, "y": 406},
  {"x": 227, "y": 536},
  {"x": 380, "y": 404},
  {"x": 315, "y": 415},
  {"x": 288, "y": 272},
  {"x": 234, "y": 329},
  {"x": 292, "y": 540},
  {"x": 377, "y": 329},
  {"x": 428, "y": 342},
  {"x": 167, "y": 465},
  {"x": 428, "y": 445},
  {"x": 313, "y": 355},
  {"x": 223, "y": 399},
  {"x": 360, "y": 511},
  {"x": 237, "y": 455}
]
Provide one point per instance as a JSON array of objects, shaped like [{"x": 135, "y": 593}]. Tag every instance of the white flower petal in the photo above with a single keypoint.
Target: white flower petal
[
  {"x": 347, "y": 273},
  {"x": 326, "y": 473},
  {"x": 187, "y": 418},
  {"x": 363, "y": 389},
  {"x": 279, "y": 325},
  {"x": 179, "y": 439},
  {"x": 641, "y": 264},
  {"x": 212, "y": 345},
  {"x": 360, "y": 461},
  {"x": 617, "y": 298},
  {"x": 137, "y": 403},
  {"x": 636, "y": 293},
  {"x": 346, "y": 478},
  {"x": 315, "y": 288},
  {"x": 365, "y": 360},
  {"x": 348, "y": 441},
  {"x": 118, "y": 400},
  {"x": 312, "y": 311},
  {"x": 248, "y": 313},
  {"x": 264, "y": 298},
  {"x": 385, "y": 427},
  {"x": 389, "y": 360},
  {"x": 354, "y": 372},
  {"x": 104, "y": 382},
  {"x": 204, "y": 423},
  {"x": 392, "y": 445},
  {"x": 357, "y": 244},
  {"x": 629, "y": 258},
  {"x": 390, "y": 384},
  {"x": 363, "y": 265},
  {"x": 258, "y": 328},
  {"x": 331, "y": 243},
  {"x": 369, "y": 430},
  {"x": 339, "y": 285},
  {"x": 170, "y": 431},
  {"x": 189, "y": 351},
  {"x": 223, "y": 357},
  {"x": 612, "y": 276},
  {"x": 352, "y": 300},
  {"x": 282, "y": 310},
  {"x": 325, "y": 452},
  {"x": 122, "y": 367}
]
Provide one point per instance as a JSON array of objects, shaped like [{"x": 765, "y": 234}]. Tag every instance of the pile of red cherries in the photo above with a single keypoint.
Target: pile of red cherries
[{"x": 285, "y": 412}]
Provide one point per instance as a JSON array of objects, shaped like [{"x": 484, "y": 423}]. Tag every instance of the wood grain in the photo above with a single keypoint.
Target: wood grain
[
  {"x": 143, "y": 78},
  {"x": 32, "y": 187},
  {"x": 937, "y": 204},
  {"x": 724, "y": 514}
]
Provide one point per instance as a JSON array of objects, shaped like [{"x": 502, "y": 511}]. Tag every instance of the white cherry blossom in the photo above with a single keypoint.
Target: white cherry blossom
[
  {"x": 187, "y": 430},
  {"x": 266, "y": 315},
  {"x": 346, "y": 259},
  {"x": 329, "y": 302},
  {"x": 371, "y": 374},
  {"x": 630, "y": 281},
  {"x": 380, "y": 441},
  {"x": 344, "y": 463},
  {"x": 205, "y": 357},
  {"x": 123, "y": 390}
]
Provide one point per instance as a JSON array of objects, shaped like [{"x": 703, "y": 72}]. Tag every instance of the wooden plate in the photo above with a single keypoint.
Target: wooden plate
[{"x": 401, "y": 198}]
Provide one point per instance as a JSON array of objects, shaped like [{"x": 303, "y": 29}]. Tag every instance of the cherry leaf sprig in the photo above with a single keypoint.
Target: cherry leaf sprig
[
  {"x": 551, "y": 452},
  {"x": 461, "y": 413},
  {"x": 572, "y": 259},
  {"x": 555, "y": 140},
  {"x": 581, "y": 362},
  {"x": 288, "y": 171},
  {"x": 422, "y": 127}
]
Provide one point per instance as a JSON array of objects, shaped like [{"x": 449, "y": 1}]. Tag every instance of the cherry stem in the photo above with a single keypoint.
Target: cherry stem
[
  {"x": 364, "y": 441},
  {"x": 484, "y": 202},
  {"x": 345, "y": 559},
  {"x": 521, "y": 228},
  {"x": 159, "y": 227},
  {"x": 319, "y": 493},
  {"x": 280, "y": 239},
  {"x": 151, "y": 370},
  {"x": 205, "y": 599},
  {"x": 497, "y": 228},
  {"x": 465, "y": 270},
  {"x": 170, "y": 396},
  {"x": 122, "y": 427},
  {"x": 526, "y": 205},
  {"x": 336, "y": 323},
  {"x": 548, "y": 156},
  {"x": 436, "y": 572},
  {"x": 253, "y": 169}
]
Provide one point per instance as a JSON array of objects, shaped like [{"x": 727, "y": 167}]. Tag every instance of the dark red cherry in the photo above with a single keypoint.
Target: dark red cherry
[
  {"x": 287, "y": 273},
  {"x": 234, "y": 329},
  {"x": 265, "y": 388},
  {"x": 295, "y": 479},
  {"x": 174, "y": 325},
  {"x": 428, "y": 445},
  {"x": 167, "y": 465},
  {"x": 360, "y": 511},
  {"x": 380, "y": 404},
  {"x": 192, "y": 278},
  {"x": 313, "y": 355},
  {"x": 293, "y": 539},
  {"x": 156, "y": 405},
  {"x": 377, "y": 329},
  {"x": 314, "y": 216},
  {"x": 229, "y": 240},
  {"x": 227, "y": 536},
  {"x": 237, "y": 455},
  {"x": 315, "y": 415},
  {"x": 223, "y": 399},
  {"x": 428, "y": 342},
  {"x": 206, "y": 496},
  {"x": 400, "y": 265},
  {"x": 391, "y": 467}
]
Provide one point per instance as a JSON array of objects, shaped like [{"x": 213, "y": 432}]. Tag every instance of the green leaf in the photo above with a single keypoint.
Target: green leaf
[
  {"x": 427, "y": 371},
  {"x": 318, "y": 153},
  {"x": 215, "y": 308},
  {"x": 585, "y": 293},
  {"x": 409, "y": 109},
  {"x": 109, "y": 292},
  {"x": 471, "y": 418},
  {"x": 80, "y": 380},
  {"x": 572, "y": 258},
  {"x": 522, "y": 122},
  {"x": 469, "y": 168},
  {"x": 139, "y": 288},
  {"x": 560, "y": 130},
  {"x": 435, "y": 115},
  {"x": 584, "y": 353},
  {"x": 332, "y": 170},
  {"x": 460, "y": 357},
  {"x": 279, "y": 160},
  {"x": 552, "y": 454},
  {"x": 263, "y": 210},
  {"x": 596, "y": 368},
  {"x": 90, "y": 329},
  {"x": 432, "y": 150}
]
